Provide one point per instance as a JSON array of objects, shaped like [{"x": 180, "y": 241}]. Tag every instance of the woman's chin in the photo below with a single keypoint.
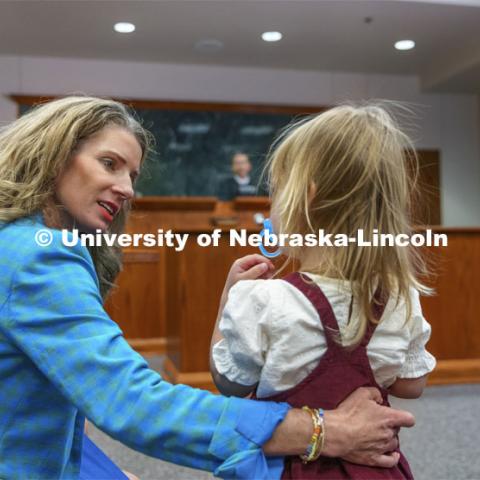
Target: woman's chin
[{"x": 93, "y": 227}]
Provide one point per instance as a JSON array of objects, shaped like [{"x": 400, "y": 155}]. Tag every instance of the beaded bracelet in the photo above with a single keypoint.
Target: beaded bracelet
[
  {"x": 317, "y": 441},
  {"x": 321, "y": 419}
]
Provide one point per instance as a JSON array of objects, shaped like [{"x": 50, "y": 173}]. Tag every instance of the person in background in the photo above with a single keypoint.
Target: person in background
[{"x": 240, "y": 183}]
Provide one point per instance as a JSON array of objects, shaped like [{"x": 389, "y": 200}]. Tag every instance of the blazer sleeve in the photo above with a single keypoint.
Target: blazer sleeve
[{"x": 55, "y": 315}]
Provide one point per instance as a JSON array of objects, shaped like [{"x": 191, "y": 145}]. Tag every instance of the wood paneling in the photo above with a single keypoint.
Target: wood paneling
[
  {"x": 175, "y": 204},
  {"x": 168, "y": 300},
  {"x": 456, "y": 371},
  {"x": 196, "y": 285},
  {"x": 427, "y": 204},
  {"x": 137, "y": 304},
  {"x": 189, "y": 106},
  {"x": 454, "y": 309}
]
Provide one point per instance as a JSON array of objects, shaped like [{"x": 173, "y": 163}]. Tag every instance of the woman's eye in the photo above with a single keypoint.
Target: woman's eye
[
  {"x": 134, "y": 175},
  {"x": 108, "y": 162}
]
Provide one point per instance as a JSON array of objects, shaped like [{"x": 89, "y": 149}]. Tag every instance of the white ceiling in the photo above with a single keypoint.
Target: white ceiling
[{"x": 318, "y": 35}]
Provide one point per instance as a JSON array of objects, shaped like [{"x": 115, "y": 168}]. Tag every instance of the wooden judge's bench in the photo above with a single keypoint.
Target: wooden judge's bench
[{"x": 167, "y": 300}]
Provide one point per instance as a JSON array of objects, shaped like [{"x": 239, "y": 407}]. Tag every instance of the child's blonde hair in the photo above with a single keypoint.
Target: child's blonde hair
[{"x": 346, "y": 169}]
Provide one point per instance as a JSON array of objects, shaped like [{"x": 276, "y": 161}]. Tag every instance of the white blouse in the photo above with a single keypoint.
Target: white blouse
[{"x": 273, "y": 335}]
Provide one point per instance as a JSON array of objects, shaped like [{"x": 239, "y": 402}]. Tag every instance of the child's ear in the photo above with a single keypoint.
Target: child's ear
[{"x": 312, "y": 190}]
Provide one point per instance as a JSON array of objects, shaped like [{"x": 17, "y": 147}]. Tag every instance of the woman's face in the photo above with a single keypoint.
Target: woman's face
[{"x": 99, "y": 178}]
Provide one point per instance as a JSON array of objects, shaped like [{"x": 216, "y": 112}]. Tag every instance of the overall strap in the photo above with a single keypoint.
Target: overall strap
[
  {"x": 378, "y": 307},
  {"x": 318, "y": 299}
]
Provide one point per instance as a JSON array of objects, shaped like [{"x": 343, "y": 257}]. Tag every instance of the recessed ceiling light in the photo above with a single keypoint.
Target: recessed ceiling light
[
  {"x": 272, "y": 36},
  {"x": 404, "y": 44},
  {"x": 124, "y": 27},
  {"x": 208, "y": 45}
]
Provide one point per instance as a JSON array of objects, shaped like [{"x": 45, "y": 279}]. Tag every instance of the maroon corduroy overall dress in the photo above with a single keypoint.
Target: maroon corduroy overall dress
[{"x": 339, "y": 372}]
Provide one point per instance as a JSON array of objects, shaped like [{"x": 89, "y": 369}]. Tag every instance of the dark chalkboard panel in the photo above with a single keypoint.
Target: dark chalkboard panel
[
  {"x": 194, "y": 148},
  {"x": 195, "y": 142}
]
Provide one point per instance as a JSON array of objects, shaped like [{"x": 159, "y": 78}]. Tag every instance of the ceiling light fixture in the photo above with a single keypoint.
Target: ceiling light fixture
[
  {"x": 404, "y": 44},
  {"x": 124, "y": 27},
  {"x": 208, "y": 45},
  {"x": 272, "y": 36}
]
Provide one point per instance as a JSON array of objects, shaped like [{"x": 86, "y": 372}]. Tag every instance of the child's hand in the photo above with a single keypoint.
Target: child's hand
[{"x": 250, "y": 267}]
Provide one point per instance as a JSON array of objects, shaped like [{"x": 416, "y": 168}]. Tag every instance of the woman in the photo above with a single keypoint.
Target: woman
[{"x": 71, "y": 164}]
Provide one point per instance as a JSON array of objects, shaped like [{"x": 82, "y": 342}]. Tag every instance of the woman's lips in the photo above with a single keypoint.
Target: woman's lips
[
  {"x": 110, "y": 207},
  {"x": 105, "y": 213}
]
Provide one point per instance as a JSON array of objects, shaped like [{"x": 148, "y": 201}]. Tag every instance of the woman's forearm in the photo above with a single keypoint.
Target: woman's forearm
[
  {"x": 359, "y": 430},
  {"x": 293, "y": 435}
]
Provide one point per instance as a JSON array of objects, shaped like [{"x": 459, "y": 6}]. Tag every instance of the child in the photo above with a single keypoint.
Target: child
[{"x": 351, "y": 315}]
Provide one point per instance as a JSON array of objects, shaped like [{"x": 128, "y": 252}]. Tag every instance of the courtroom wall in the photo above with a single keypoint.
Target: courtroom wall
[{"x": 447, "y": 122}]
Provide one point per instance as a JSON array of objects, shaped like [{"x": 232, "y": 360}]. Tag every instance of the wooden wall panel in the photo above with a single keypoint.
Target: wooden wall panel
[
  {"x": 200, "y": 275},
  {"x": 167, "y": 301},
  {"x": 454, "y": 310},
  {"x": 138, "y": 302},
  {"x": 427, "y": 203}
]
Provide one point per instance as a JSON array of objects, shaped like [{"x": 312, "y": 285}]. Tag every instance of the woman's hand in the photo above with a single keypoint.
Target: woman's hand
[
  {"x": 364, "y": 431},
  {"x": 250, "y": 267},
  {"x": 359, "y": 430}
]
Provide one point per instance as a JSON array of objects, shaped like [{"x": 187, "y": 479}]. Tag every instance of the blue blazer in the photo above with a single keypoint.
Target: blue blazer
[{"x": 63, "y": 359}]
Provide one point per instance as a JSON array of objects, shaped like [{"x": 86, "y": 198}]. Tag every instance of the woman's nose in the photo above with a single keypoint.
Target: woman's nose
[{"x": 124, "y": 188}]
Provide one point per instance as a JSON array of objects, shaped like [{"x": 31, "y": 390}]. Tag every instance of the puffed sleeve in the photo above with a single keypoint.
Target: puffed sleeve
[
  {"x": 240, "y": 355},
  {"x": 418, "y": 361}
]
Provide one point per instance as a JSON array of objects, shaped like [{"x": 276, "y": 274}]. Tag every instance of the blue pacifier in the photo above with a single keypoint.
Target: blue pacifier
[{"x": 268, "y": 230}]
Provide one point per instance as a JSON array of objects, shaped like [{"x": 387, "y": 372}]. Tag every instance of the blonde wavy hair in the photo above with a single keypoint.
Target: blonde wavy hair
[
  {"x": 349, "y": 168},
  {"x": 36, "y": 148}
]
